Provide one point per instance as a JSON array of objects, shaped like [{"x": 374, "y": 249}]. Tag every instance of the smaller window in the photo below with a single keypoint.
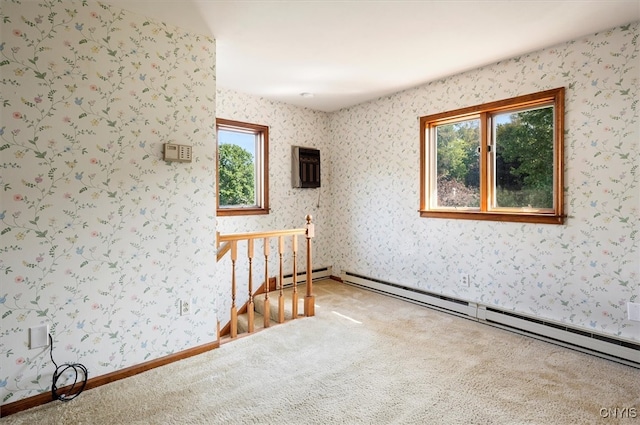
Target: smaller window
[
  {"x": 243, "y": 168},
  {"x": 499, "y": 161}
]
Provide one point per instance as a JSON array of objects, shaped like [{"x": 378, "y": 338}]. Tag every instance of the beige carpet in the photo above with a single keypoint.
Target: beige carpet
[{"x": 365, "y": 359}]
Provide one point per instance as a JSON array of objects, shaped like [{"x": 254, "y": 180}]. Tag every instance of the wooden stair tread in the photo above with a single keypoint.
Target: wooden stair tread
[{"x": 258, "y": 320}]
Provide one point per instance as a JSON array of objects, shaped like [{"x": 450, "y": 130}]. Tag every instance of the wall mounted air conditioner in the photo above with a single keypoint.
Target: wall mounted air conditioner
[{"x": 305, "y": 167}]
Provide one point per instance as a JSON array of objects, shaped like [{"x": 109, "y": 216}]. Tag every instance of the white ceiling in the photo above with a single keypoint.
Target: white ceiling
[{"x": 347, "y": 52}]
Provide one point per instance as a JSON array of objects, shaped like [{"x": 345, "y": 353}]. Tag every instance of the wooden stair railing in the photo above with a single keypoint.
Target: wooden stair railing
[{"x": 229, "y": 243}]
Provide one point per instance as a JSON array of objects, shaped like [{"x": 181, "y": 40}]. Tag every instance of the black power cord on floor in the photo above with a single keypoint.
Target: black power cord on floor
[{"x": 72, "y": 392}]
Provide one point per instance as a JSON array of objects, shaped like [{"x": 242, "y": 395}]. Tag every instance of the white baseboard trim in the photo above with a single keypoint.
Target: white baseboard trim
[{"x": 317, "y": 273}]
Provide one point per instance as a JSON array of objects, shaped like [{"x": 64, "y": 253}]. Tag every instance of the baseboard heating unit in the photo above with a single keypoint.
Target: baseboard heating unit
[
  {"x": 621, "y": 351},
  {"x": 301, "y": 276}
]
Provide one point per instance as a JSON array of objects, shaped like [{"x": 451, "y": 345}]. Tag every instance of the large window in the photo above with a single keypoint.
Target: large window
[
  {"x": 499, "y": 161},
  {"x": 243, "y": 168}
]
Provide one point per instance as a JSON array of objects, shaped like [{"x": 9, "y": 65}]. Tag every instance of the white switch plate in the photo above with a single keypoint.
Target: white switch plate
[
  {"x": 633, "y": 311},
  {"x": 39, "y": 336}
]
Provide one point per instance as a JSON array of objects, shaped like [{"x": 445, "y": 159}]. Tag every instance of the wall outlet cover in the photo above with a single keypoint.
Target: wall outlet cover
[
  {"x": 633, "y": 311},
  {"x": 39, "y": 336},
  {"x": 185, "y": 307}
]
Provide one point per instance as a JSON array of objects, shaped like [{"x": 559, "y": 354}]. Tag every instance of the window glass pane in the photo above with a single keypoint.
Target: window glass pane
[
  {"x": 458, "y": 164},
  {"x": 523, "y": 159},
  {"x": 237, "y": 169}
]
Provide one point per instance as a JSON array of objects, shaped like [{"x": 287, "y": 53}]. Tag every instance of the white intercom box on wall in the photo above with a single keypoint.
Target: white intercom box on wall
[{"x": 179, "y": 153}]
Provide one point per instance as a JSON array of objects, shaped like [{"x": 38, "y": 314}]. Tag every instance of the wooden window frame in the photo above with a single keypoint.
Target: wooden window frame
[
  {"x": 262, "y": 206},
  {"x": 555, "y": 215}
]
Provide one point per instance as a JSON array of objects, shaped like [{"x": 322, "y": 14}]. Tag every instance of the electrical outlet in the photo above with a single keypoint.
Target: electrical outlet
[
  {"x": 464, "y": 280},
  {"x": 39, "y": 336},
  {"x": 633, "y": 311},
  {"x": 185, "y": 307}
]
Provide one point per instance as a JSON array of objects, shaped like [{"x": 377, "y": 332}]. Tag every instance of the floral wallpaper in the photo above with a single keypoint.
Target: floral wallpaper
[
  {"x": 101, "y": 238},
  {"x": 288, "y": 126},
  {"x": 582, "y": 273}
]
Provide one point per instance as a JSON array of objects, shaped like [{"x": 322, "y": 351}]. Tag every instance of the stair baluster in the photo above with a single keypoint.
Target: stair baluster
[
  {"x": 281, "y": 279},
  {"x": 267, "y": 315},
  {"x": 234, "y": 310},
  {"x": 250, "y": 305}
]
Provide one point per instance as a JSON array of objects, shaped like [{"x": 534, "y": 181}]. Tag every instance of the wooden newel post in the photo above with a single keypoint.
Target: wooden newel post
[
  {"x": 294, "y": 295},
  {"x": 309, "y": 300}
]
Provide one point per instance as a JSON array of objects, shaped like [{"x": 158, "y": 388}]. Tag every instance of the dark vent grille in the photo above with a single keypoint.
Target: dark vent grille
[{"x": 305, "y": 167}]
